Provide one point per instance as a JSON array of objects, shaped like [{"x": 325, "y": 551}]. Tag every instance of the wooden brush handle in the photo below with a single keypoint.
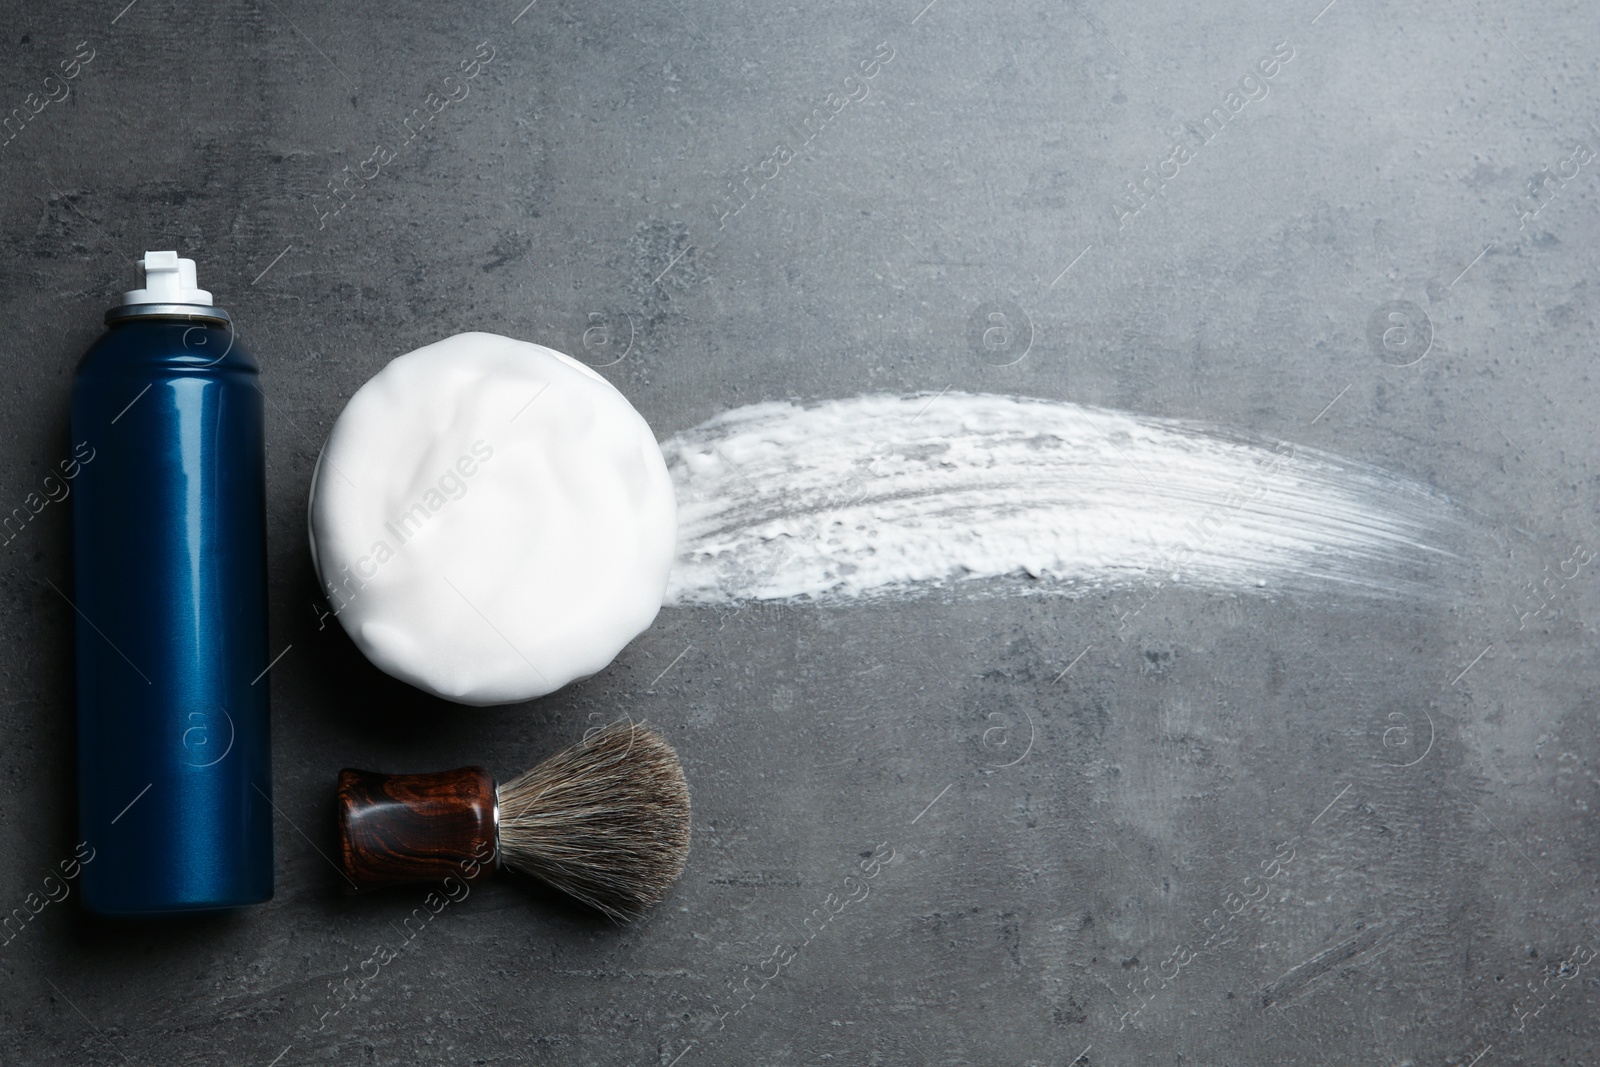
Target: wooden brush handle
[{"x": 397, "y": 828}]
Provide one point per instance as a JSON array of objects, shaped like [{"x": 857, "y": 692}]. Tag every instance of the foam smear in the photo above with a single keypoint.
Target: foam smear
[{"x": 888, "y": 495}]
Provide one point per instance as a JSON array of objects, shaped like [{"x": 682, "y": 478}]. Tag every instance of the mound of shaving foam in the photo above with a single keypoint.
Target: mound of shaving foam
[{"x": 491, "y": 520}]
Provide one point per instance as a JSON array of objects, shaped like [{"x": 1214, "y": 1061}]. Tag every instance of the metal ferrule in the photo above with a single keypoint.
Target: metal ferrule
[{"x": 497, "y": 863}]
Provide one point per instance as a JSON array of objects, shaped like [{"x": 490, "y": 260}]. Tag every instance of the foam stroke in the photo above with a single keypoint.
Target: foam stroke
[{"x": 891, "y": 496}]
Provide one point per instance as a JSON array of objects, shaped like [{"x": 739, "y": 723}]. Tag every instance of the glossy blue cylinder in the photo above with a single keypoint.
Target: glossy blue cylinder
[{"x": 169, "y": 554}]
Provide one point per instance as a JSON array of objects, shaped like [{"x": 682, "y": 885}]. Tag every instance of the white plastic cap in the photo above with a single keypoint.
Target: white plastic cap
[{"x": 167, "y": 280}]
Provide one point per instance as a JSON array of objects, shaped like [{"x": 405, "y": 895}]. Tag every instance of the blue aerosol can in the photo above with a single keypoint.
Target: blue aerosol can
[{"x": 169, "y": 532}]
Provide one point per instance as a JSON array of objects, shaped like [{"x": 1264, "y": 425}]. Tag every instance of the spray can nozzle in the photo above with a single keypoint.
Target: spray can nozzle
[{"x": 167, "y": 280}]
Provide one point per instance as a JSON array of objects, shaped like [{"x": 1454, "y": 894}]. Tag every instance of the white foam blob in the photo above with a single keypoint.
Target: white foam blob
[{"x": 491, "y": 520}]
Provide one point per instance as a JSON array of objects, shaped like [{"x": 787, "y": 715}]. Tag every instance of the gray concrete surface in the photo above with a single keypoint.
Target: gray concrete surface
[{"x": 1400, "y": 804}]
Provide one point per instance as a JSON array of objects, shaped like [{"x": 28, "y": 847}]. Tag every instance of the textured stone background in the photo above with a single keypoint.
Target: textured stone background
[{"x": 1057, "y": 907}]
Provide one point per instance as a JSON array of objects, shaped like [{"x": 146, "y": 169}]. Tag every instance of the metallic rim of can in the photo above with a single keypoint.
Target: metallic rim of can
[{"x": 191, "y": 312}]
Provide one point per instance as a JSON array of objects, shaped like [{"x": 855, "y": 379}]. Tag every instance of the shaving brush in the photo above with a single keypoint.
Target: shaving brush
[{"x": 605, "y": 821}]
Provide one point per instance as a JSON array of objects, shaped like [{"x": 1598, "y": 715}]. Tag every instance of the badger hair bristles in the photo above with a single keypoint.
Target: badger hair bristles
[{"x": 606, "y": 820}]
